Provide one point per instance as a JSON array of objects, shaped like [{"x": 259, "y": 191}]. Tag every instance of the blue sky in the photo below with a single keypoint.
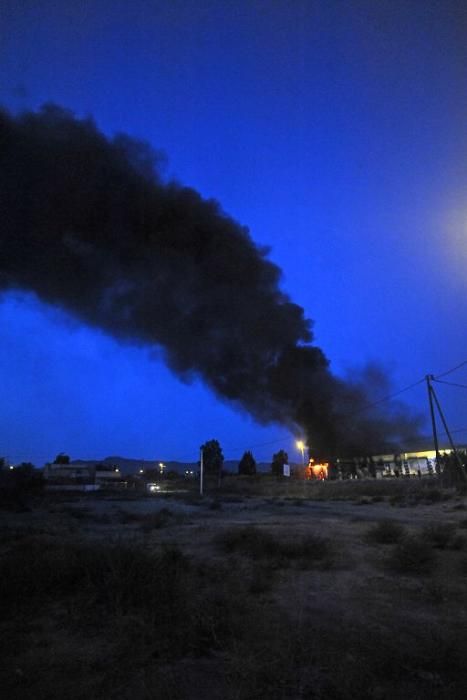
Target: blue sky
[{"x": 335, "y": 131}]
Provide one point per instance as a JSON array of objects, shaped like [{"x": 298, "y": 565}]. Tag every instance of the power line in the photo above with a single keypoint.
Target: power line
[
  {"x": 449, "y": 371},
  {"x": 363, "y": 408},
  {"x": 382, "y": 400},
  {"x": 390, "y": 396},
  {"x": 262, "y": 444},
  {"x": 440, "y": 381},
  {"x": 288, "y": 437},
  {"x": 458, "y": 430}
]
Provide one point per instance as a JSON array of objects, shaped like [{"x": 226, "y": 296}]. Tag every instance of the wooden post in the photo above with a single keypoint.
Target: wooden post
[
  {"x": 201, "y": 472},
  {"x": 428, "y": 378}
]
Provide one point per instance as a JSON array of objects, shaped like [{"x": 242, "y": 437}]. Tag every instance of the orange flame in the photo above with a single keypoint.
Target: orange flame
[{"x": 317, "y": 471}]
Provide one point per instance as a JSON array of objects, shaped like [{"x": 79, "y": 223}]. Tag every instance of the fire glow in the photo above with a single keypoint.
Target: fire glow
[{"x": 317, "y": 470}]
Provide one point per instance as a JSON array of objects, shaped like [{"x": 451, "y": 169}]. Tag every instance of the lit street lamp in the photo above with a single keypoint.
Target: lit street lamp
[{"x": 301, "y": 447}]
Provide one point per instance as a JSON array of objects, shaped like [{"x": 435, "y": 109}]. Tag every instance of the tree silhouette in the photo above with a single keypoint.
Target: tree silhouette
[
  {"x": 213, "y": 459},
  {"x": 278, "y": 461},
  {"x": 247, "y": 465},
  {"x": 62, "y": 458}
]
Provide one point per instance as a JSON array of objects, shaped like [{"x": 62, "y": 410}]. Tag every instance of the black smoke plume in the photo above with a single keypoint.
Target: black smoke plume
[{"x": 89, "y": 224}]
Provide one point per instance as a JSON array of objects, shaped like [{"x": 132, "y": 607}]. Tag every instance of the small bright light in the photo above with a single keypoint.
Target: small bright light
[
  {"x": 300, "y": 444},
  {"x": 11, "y": 466},
  {"x": 117, "y": 470},
  {"x": 141, "y": 471}
]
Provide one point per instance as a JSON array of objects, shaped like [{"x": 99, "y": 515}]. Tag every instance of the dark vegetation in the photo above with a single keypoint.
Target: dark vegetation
[
  {"x": 443, "y": 536},
  {"x": 213, "y": 458},
  {"x": 412, "y": 555},
  {"x": 307, "y": 550},
  {"x": 247, "y": 465},
  {"x": 396, "y": 491},
  {"x": 20, "y": 487},
  {"x": 278, "y": 460},
  {"x": 386, "y": 532},
  {"x": 174, "y": 598}
]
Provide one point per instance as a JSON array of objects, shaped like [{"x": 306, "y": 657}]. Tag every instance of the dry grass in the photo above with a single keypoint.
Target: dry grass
[
  {"x": 305, "y": 550},
  {"x": 443, "y": 535},
  {"x": 412, "y": 556},
  {"x": 247, "y": 599},
  {"x": 386, "y": 532}
]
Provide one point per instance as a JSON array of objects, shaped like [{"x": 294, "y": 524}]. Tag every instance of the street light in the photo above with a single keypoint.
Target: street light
[{"x": 301, "y": 447}]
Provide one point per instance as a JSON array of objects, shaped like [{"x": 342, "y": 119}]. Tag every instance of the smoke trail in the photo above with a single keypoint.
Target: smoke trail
[{"x": 89, "y": 224}]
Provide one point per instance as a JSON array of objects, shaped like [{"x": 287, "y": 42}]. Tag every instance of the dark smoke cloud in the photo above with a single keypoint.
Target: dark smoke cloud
[{"x": 88, "y": 224}]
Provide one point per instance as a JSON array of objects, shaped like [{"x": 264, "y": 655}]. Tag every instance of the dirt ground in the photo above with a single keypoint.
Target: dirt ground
[{"x": 340, "y": 608}]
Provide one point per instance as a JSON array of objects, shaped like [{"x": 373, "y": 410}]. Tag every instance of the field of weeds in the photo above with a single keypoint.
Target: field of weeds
[{"x": 344, "y": 590}]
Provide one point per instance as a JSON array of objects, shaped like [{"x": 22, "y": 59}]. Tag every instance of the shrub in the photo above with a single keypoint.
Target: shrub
[
  {"x": 463, "y": 566},
  {"x": 435, "y": 592},
  {"x": 307, "y": 549},
  {"x": 128, "y": 517},
  {"x": 43, "y": 566},
  {"x": 19, "y": 486},
  {"x": 411, "y": 556},
  {"x": 76, "y": 512},
  {"x": 386, "y": 532},
  {"x": 150, "y": 521},
  {"x": 258, "y": 544},
  {"x": 249, "y": 540},
  {"x": 180, "y": 609},
  {"x": 441, "y": 535},
  {"x": 458, "y": 542},
  {"x": 215, "y": 505},
  {"x": 364, "y": 501},
  {"x": 433, "y": 495},
  {"x": 396, "y": 500},
  {"x": 159, "y": 519},
  {"x": 232, "y": 499}
]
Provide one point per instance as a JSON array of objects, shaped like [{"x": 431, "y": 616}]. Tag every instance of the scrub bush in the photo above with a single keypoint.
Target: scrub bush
[
  {"x": 386, "y": 532},
  {"x": 260, "y": 545},
  {"x": 412, "y": 556},
  {"x": 440, "y": 535}
]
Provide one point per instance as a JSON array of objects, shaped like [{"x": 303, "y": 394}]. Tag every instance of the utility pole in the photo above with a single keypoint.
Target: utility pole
[
  {"x": 451, "y": 442},
  {"x": 201, "y": 471},
  {"x": 433, "y": 399},
  {"x": 429, "y": 378}
]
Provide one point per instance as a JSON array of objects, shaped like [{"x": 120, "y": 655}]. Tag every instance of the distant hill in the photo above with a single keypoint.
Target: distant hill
[{"x": 128, "y": 465}]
